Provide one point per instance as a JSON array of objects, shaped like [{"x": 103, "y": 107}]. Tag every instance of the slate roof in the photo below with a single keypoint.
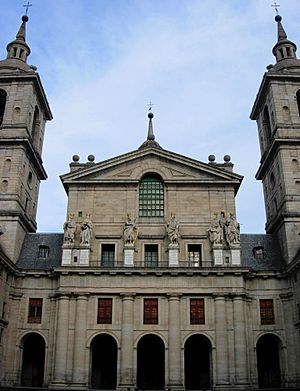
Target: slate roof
[
  {"x": 29, "y": 257},
  {"x": 271, "y": 260}
]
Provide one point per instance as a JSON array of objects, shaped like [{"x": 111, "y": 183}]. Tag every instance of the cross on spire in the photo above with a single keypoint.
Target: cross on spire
[
  {"x": 150, "y": 104},
  {"x": 275, "y": 5},
  {"x": 27, "y": 6}
]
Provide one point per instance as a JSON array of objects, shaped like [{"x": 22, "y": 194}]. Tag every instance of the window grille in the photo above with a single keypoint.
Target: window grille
[
  {"x": 151, "y": 197},
  {"x": 151, "y": 255},
  {"x": 267, "y": 311},
  {"x": 150, "y": 311},
  {"x": 108, "y": 254},
  {"x": 197, "y": 315},
  {"x": 104, "y": 315}
]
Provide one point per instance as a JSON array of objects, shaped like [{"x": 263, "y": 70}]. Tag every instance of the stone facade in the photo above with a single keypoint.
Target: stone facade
[{"x": 151, "y": 285}]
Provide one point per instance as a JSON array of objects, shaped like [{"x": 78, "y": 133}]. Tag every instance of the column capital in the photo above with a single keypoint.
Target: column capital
[
  {"x": 174, "y": 296},
  {"x": 127, "y": 295}
]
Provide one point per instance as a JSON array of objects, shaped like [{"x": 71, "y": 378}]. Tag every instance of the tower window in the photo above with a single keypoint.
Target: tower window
[
  {"x": 267, "y": 311},
  {"x": 108, "y": 254},
  {"x": 150, "y": 311},
  {"x": 3, "y": 97},
  {"x": 298, "y": 100},
  {"x": 267, "y": 123},
  {"x": 151, "y": 197},
  {"x": 151, "y": 255},
  {"x": 104, "y": 311},
  {"x": 35, "y": 310},
  {"x": 197, "y": 311},
  {"x": 259, "y": 252}
]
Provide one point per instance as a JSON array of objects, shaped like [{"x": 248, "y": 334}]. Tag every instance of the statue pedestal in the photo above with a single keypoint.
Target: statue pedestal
[
  {"x": 218, "y": 254},
  {"x": 235, "y": 255},
  {"x": 173, "y": 254},
  {"x": 74, "y": 256},
  {"x": 128, "y": 255}
]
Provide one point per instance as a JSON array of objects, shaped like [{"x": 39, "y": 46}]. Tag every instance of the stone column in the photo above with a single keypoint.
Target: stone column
[
  {"x": 222, "y": 375},
  {"x": 240, "y": 343},
  {"x": 126, "y": 361},
  {"x": 174, "y": 350},
  {"x": 79, "y": 364},
  {"x": 61, "y": 343}
]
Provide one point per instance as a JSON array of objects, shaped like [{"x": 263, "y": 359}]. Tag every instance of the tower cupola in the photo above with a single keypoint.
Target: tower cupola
[
  {"x": 284, "y": 50},
  {"x": 18, "y": 49}
]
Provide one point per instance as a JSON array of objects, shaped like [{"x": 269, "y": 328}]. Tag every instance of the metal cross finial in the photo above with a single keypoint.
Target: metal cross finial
[
  {"x": 150, "y": 104},
  {"x": 275, "y": 5},
  {"x": 27, "y": 6}
]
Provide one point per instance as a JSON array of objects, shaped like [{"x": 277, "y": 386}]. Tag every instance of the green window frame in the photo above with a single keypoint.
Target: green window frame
[{"x": 151, "y": 197}]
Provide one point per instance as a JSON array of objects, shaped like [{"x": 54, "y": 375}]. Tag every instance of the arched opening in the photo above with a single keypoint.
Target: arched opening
[
  {"x": 268, "y": 364},
  {"x": 36, "y": 127},
  {"x": 104, "y": 362},
  {"x": 150, "y": 363},
  {"x": 3, "y": 96},
  {"x": 197, "y": 363},
  {"x": 298, "y": 100},
  {"x": 267, "y": 124},
  {"x": 33, "y": 360}
]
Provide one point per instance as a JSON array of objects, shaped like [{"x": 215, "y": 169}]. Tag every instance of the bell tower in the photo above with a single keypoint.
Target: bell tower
[
  {"x": 277, "y": 113},
  {"x": 24, "y": 111}
]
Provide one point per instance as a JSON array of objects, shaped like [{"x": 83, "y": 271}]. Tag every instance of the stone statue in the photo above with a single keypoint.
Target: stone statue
[
  {"x": 130, "y": 231},
  {"x": 69, "y": 229},
  {"x": 232, "y": 230},
  {"x": 86, "y": 230},
  {"x": 173, "y": 229},
  {"x": 215, "y": 231}
]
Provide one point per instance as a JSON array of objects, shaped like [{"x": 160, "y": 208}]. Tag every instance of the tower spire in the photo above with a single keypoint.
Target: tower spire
[
  {"x": 18, "y": 49},
  {"x": 150, "y": 142}
]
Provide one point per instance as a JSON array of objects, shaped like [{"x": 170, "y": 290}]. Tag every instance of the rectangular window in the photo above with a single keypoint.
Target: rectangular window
[
  {"x": 35, "y": 310},
  {"x": 107, "y": 254},
  {"x": 104, "y": 311},
  {"x": 194, "y": 255},
  {"x": 267, "y": 311},
  {"x": 151, "y": 255},
  {"x": 150, "y": 311},
  {"x": 197, "y": 315}
]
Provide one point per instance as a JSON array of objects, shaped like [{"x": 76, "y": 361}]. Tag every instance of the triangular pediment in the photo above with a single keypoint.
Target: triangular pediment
[{"x": 133, "y": 165}]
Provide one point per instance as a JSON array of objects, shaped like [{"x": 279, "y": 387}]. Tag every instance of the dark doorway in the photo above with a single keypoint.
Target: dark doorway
[
  {"x": 104, "y": 362},
  {"x": 33, "y": 361},
  {"x": 268, "y": 367},
  {"x": 150, "y": 363},
  {"x": 197, "y": 350}
]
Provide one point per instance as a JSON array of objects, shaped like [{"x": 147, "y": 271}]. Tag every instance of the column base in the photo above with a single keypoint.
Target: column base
[
  {"x": 126, "y": 387},
  {"x": 175, "y": 387},
  {"x": 58, "y": 384}
]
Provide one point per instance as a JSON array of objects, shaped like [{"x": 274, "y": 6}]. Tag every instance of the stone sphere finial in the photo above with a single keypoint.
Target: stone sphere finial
[
  {"x": 75, "y": 158},
  {"x": 227, "y": 158},
  {"x": 91, "y": 158},
  {"x": 278, "y": 18},
  {"x": 150, "y": 115},
  {"x": 211, "y": 158},
  {"x": 25, "y": 18}
]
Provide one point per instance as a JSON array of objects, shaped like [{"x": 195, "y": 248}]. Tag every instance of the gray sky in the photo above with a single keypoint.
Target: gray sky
[{"x": 102, "y": 61}]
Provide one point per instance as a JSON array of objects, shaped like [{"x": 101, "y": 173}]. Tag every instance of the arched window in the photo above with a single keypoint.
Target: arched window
[
  {"x": 36, "y": 127},
  {"x": 298, "y": 100},
  {"x": 267, "y": 124},
  {"x": 151, "y": 196},
  {"x": 3, "y": 97}
]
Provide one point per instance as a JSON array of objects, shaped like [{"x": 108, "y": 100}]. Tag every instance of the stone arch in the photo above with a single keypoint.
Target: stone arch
[
  {"x": 198, "y": 362},
  {"x": 269, "y": 361},
  {"x": 150, "y": 362},
  {"x": 16, "y": 114},
  {"x": 4, "y": 186},
  {"x": 104, "y": 362},
  {"x": 286, "y": 114},
  {"x": 33, "y": 347},
  {"x": 7, "y": 165}
]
